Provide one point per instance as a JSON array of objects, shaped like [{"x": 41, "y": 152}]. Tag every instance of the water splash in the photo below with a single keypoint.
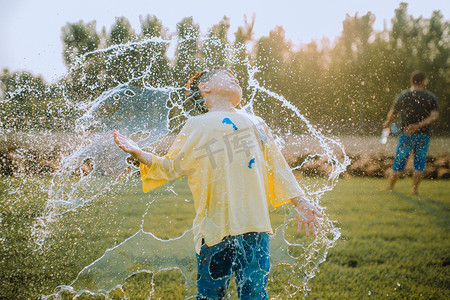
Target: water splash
[{"x": 91, "y": 183}]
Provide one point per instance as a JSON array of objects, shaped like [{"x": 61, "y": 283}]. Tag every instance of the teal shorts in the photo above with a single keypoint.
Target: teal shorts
[{"x": 418, "y": 143}]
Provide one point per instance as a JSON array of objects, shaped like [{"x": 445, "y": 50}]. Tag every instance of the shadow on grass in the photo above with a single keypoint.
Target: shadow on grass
[{"x": 440, "y": 211}]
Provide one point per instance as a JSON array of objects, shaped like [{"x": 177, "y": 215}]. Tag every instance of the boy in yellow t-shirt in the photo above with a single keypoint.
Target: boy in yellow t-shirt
[{"x": 235, "y": 171}]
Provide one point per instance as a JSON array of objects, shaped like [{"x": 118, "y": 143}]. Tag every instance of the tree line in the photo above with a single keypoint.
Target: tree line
[{"x": 345, "y": 86}]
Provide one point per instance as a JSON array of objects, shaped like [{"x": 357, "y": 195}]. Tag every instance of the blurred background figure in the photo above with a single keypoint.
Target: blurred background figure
[{"x": 418, "y": 109}]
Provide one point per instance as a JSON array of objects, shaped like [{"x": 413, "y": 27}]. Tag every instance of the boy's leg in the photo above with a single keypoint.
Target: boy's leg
[
  {"x": 404, "y": 146},
  {"x": 252, "y": 265},
  {"x": 420, "y": 157},
  {"x": 392, "y": 180},
  {"x": 214, "y": 270},
  {"x": 417, "y": 177}
]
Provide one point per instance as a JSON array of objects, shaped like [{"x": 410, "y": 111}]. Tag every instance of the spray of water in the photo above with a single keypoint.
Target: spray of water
[{"x": 92, "y": 189}]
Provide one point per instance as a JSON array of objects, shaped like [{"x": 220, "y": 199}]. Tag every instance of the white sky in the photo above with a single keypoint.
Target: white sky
[{"x": 30, "y": 30}]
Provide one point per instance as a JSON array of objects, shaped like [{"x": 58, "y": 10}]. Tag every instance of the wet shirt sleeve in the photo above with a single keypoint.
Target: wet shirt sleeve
[
  {"x": 434, "y": 103},
  {"x": 282, "y": 183},
  {"x": 175, "y": 164}
]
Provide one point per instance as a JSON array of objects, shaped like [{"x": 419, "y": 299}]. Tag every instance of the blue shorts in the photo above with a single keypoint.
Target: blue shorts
[
  {"x": 418, "y": 143},
  {"x": 247, "y": 255}
]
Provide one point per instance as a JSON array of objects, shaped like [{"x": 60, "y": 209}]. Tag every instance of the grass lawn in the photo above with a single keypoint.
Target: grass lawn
[{"x": 393, "y": 245}]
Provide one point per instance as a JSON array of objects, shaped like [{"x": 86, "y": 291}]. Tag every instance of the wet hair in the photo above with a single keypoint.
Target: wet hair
[
  {"x": 192, "y": 90},
  {"x": 417, "y": 77}
]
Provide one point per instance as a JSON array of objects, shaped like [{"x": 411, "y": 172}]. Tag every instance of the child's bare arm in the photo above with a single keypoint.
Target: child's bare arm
[
  {"x": 390, "y": 117},
  {"x": 132, "y": 148},
  {"x": 307, "y": 215},
  {"x": 412, "y": 128}
]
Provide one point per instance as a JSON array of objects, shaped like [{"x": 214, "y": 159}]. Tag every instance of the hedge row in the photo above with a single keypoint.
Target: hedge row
[{"x": 19, "y": 162}]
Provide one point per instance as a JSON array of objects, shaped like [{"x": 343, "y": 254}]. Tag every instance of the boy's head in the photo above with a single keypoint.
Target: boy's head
[
  {"x": 216, "y": 82},
  {"x": 418, "y": 79}
]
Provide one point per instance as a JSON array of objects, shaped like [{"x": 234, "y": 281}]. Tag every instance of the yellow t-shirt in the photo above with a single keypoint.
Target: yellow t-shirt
[{"x": 235, "y": 171}]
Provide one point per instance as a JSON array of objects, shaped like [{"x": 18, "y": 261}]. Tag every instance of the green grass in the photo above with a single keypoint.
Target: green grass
[{"x": 393, "y": 245}]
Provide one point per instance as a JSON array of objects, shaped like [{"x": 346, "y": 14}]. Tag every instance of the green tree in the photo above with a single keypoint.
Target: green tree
[
  {"x": 79, "y": 39},
  {"x": 28, "y": 103},
  {"x": 85, "y": 70},
  {"x": 187, "y": 53},
  {"x": 154, "y": 63},
  {"x": 122, "y": 60},
  {"x": 349, "y": 74},
  {"x": 272, "y": 52},
  {"x": 304, "y": 88},
  {"x": 216, "y": 47},
  {"x": 24, "y": 105},
  {"x": 422, "y": 44},
  {"x": 121, "y": 32},
  {"x": 241, "y": 60}
]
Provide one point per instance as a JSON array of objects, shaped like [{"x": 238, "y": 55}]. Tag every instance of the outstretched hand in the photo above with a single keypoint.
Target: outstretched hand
[
  {"x": 307, "y": 217},
  {"x": 126, "y": 144}
]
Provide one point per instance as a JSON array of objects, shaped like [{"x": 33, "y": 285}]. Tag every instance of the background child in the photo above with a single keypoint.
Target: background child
[
  {"x": 235, "y": 171},
  {"x": 418, "y": 109}
]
